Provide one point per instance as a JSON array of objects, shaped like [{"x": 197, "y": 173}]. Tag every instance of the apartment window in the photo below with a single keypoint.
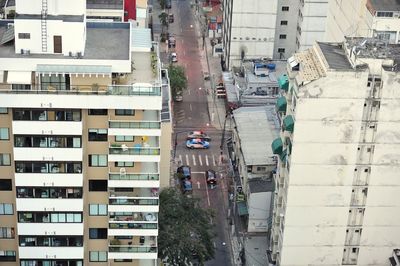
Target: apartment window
[
  {"x": 53, "y": 217},
  {"x": 261, "y": 168},
  {"x": 97, "y": 160},
  {"x": 125, "y": 138},
  {"x": 6, "y": 209},
  {"x": 98, "y": 233},
  {"x": 5, "y": 159},
  {"x": 124, "y": 112},
  {"x": 7, "y": 255},
  {"x": 97, "y": 185},
  {"x": 124, "y": 164},
  {"x": 282, "y": 36},
  {"x": 281, "y": 50},
  {"x": 98, "y": 111},
  {"x": 97, "y": 209},
  {"x": 5, "y": 184},
  {"x": 384, "y": 14},
  {"x": 7, "y": 232},
  {"x": 24, "y": 35},
  {"x": 3, "y": 110},
  {"x": 4, "y": 134},
  {"x": 123, "y": 260},
  {"x": 284, "y": 22},
  {"x": 97, "y": 256},
  {"x": 49, "y": 262},
  {"x": 21, "y": 87},
  {"x": 55, "y": 82},
  {"x": 285, "y": 8},
  {"x": 97, "y": 134}
]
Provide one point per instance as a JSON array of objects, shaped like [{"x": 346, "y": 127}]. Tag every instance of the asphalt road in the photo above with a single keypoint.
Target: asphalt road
[{"x": 192, "y": 114}]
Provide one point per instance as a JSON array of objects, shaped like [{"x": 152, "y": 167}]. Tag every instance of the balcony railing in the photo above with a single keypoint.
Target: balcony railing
[
  {"x": 132, "y": 249},
  {"x": 134, "y": 151},
  {"x": 131, "y": 90},
  {"x": 126, "y": 176},
  {"x": 128, "y": 201},
  {"x": 133, "y": 225},
  {"x": 135, "y": 124}
]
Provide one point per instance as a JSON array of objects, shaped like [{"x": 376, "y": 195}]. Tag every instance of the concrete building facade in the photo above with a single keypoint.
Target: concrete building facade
[
  {"x": 85, "y": 139},
  {"x": 337, "y": 187}
]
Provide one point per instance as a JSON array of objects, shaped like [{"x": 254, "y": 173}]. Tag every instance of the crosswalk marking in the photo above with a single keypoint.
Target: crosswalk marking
[
  {"x": 197, "y": 159},
  {"x": 200, "y": 161},
  {"x": 180, "y": 159},
  {"x": 187, "y": 159},
  {"x": 194, "y": 160},
  {"x": 214, "y": 160},
  {"x": 206, "y": 160}
]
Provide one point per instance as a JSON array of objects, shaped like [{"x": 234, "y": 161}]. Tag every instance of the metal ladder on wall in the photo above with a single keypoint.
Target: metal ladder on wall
[{"x": 44, "y": 25}]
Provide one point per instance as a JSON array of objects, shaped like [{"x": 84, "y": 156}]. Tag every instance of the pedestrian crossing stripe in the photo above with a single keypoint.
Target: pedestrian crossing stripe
[{"x": 201, "y": 159}]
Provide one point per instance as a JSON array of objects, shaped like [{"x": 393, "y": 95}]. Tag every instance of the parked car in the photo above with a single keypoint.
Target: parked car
[
  {"x": 197, "y": 144},
  {"x": 206, "y": 76},
  {"x": 198, "y": 134},
  {"x": 178, "y": 97},
  {"x": 211, "y": 177},
  {"x": 185, "y": 171},
  {"x": 174, "y": 57},
  {"x": 187, "y": 186},
  {"x": 171, "y": 42}
]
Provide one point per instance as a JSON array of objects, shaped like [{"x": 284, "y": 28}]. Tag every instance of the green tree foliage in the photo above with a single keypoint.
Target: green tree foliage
[
  {"x": 177, "y": 79},
  {"x": 164, "y": 22},
  {"x": 162, "y": 3},
  {"x": 185, "y": 234}
]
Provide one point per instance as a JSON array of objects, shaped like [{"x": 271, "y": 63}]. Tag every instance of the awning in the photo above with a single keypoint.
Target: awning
[
  {"x": 283, "y": 82},
  {"x": 277, "y": 146},
  {"x": 19, "y": 77},
  {"x": 283, "y": 155},
  {"x": 242, "y": 208},
  {"x": 8, "y": 35},
  {"x": 288, "y": 123},
  {"x": 281, "y": 104}
]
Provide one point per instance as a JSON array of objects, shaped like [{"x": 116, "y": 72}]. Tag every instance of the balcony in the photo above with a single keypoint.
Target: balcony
[
  {"x": 51, "y": 252},
  {"x": 47, "y": 128},
  {"x": 48, "y": 179},
  {"x": 62, "y": 229},
  {"x": 135, "y": 154},
  {"x": 135, "y": 180},
  {"x": 132, "y": 252},
  {"x": 56, "y": 154},
  {"x": 134, "y": 128},
  {"x": 133, "y": 229},
  {"x": 133, "y": 192},
  {"x": 42, "y": 204},
  {"x": 133, "y": 204},
  {"x": 136, "y": 217}
]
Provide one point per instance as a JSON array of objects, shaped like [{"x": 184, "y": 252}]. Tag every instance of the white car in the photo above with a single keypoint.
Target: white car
[{"x": 174, "y": 58}]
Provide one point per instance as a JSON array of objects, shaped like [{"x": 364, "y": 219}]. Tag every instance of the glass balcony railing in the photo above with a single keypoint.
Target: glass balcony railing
[
  {"x": 133, "y": 225},
  {"x": 132, "y": 249},
  {"x": 129, "y": 201},
  {"x": 134, "y": 151},
  {"x": 135, "y": 124},
  {"x": 130, "y": 90},
  {"x": 126, "y": 176}
]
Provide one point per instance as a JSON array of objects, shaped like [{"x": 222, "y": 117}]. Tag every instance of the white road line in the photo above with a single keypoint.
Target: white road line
[
  {"x": 190, "y": 105},
  {"x": 214, "y": 160},
  {"x": 194, "y": 160},
  {"x": 189, "y": 91},
  {"x": 206, "y": 160},
  {"x": 208, "y": 196},
  {"x": 200, "y": 161},
  {"x": 180, "y": 159},
  {"x": 187, "y": 159}
]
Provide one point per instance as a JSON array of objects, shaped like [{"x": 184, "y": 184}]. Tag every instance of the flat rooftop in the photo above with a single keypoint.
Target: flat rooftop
[
  {"x": 115, "y": 47},
  {"x": 257, "y": 185},
  {"x": 104, "y": 4},
  {"x": 256, "y": 127},
  {"x": 386, "y": 5}
]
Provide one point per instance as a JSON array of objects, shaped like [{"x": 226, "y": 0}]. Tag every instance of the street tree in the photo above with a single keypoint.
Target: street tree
[
  {"x": 164, "y": 23},
  {"x": 177, "y": 79},
  {"x": 162, "y": 3},
  {"x": 185, "y": 230}
]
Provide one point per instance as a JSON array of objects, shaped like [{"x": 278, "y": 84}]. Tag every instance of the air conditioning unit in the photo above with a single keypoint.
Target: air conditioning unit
[{"x": 79, "y": 55}]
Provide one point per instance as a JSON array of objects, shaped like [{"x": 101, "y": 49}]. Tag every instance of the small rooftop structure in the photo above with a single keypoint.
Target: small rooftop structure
[
  {"x": 335, "y": 55},
  {"x": 104, "y": 4},
  {"x": 141, "y": 39},
  {"x": 256, "y": 127},
  {"x": 385, "y": 5},
  {"x": 258, "y": 185}
]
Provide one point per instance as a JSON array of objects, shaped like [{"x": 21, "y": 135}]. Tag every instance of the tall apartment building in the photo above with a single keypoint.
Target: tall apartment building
[
  {"x": 85, "y": 139},
  {"x": 337, "y": 186},
  {"x": 302, "y": 22}
]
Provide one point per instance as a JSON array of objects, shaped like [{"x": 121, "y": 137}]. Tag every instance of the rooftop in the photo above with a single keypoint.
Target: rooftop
[
  {"x": 386, "y": 5},
  {"x": 257, "y": 127},
  {"x": 104, "y": 4},
  {"x": 96, "y": 48},
  {"x": 257, "y": 185},
  {"x": 335, "y": 56}
]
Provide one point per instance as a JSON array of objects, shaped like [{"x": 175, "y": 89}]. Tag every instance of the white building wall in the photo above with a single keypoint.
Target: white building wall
[
  {"x": 55, "y": 7},
  {"x": 252, "y": 29}
]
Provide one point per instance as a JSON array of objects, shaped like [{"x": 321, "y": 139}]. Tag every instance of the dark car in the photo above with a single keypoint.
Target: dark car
[
  {"x": 187, "y": 186},
  {"x": 171, "y": 18},
  {"x": 185, "y": 171},
  {"x": 211, "y": 177}
]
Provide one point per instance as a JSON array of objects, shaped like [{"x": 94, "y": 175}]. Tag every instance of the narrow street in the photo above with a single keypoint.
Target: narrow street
[{"x": 193, "y": 114}]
